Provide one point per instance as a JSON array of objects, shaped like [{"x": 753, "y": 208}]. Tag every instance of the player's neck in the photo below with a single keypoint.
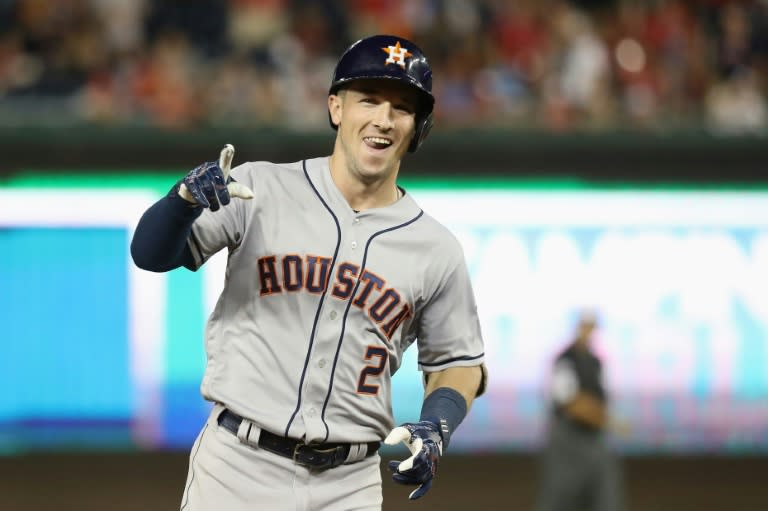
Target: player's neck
[
  {"x": 361, "y": 195},
  {"x": 366, "y": 198}
]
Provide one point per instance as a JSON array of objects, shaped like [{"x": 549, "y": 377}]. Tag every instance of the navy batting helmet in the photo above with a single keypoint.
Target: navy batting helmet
[{"x": 393, "y": 58}]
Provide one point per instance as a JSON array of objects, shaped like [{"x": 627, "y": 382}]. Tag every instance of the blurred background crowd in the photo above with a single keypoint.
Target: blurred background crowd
[{"x": 550, "y": 65}]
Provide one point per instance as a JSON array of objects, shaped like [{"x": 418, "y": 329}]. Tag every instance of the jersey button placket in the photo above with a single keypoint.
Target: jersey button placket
[{"x": 355, "y": 223}]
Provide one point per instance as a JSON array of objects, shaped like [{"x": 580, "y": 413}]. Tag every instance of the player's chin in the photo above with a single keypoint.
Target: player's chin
[
  {"x": 378, "y": 161},
  {"x": 379, "y": 170}
]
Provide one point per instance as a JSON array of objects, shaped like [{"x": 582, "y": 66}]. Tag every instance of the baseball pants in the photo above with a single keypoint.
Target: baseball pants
[{"x": 225, "y": 473}]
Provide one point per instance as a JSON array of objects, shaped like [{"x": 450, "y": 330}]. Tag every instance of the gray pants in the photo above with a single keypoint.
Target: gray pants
[
  {"x": 226, "y": 474},
  {"x": 578, "y": 472}
]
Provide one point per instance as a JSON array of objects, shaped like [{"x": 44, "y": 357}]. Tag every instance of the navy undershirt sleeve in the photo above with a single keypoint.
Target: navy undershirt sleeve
[{"x": 160, "y": 241}]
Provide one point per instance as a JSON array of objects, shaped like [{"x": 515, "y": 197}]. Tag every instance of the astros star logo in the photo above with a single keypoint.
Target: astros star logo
[{"x": 397, "y": 54}]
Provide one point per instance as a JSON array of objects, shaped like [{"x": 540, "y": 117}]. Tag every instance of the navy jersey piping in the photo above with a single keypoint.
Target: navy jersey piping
[
  {"x": 192, "y": 467},
  {"x": 448, "y": 361},
  {"x": 346, "y": 313},
  {"x": 320, "y": 303}
]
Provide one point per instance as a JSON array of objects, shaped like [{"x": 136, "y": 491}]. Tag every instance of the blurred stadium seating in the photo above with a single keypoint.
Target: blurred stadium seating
[{"x": 551, "y": 64}]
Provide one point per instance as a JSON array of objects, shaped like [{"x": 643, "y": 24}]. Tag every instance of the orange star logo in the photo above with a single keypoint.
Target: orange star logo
[{"x": 397, "y": 54}]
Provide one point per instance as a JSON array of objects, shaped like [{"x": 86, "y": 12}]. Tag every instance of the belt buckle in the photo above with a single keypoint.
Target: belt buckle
[
  {"x": 307, "y": 456},
  {"x": 297, "y": 452}
]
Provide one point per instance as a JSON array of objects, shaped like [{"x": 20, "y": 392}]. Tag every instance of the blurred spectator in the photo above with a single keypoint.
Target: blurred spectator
[
  {"x": 734, "y": 105},
  {"x": 579, "y": 472},
  {"x": 167, "y": 82},
  {"x": 552, "y": 64},
  {"x": 123, "y": 24},
  {"x": 202, "y": 22},
  {"x": 63, "y": 43},
  {"x": 253, "y": 24},
  {"x": 576, "y": 90},
  {"x": 734, "y": 48},
  {"x": 458, "y": 54}
]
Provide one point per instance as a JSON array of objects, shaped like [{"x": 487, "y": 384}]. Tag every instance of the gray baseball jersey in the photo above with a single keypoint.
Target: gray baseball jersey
[{"x": 320, "y": 302}]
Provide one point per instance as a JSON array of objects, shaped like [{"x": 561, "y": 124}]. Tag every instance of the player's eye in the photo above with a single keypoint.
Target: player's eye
[{"x": 405, "y": 108}]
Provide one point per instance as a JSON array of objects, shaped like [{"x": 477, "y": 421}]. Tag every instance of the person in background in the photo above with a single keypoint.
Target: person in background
[{"x": 579, "y": 471}]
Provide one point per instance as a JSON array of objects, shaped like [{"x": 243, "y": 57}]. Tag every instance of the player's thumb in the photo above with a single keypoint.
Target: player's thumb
[
  {"x": 397, "y": 435},
  {"x": 225, "y": 164},
  {"x": 239, "y": 190},
  {"x": 225, "y": 159}
]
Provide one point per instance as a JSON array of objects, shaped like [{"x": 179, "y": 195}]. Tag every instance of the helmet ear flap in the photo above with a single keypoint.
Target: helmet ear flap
[{"x": 423, "y": 126}]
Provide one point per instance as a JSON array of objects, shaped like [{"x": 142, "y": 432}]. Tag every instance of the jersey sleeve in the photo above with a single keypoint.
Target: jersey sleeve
[
  {"x": 449, "y": 327},
  {"x": 224, "y": 228}
]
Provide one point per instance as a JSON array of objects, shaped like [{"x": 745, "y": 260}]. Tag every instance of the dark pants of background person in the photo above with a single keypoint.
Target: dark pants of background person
[{"x": 578, "y": 471}]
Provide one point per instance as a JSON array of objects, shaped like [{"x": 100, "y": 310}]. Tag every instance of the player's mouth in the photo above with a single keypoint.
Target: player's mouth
[{"x": 377, "y": 143}]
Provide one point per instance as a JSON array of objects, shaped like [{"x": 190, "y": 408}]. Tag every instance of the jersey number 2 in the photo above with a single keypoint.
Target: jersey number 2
[{"x": 373, "y": 369}]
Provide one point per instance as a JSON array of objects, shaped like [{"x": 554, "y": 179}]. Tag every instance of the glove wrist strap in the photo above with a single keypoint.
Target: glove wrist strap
[
  {"x": 181, "y": 207},
  {"x": 446, "y": 408}
]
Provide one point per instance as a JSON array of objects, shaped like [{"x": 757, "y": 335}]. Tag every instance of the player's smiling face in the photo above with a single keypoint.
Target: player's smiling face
[{"x": 376, "y": 121}]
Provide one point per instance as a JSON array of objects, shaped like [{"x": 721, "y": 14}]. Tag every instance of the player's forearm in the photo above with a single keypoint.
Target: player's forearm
[
  {"x": 160, "y": 240},
  {"x": 464, "y": 380},
  {"x": 448, "y": 396}
]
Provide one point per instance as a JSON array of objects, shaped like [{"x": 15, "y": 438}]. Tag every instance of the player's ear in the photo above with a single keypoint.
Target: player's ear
[{"x": 335, "y": 108}]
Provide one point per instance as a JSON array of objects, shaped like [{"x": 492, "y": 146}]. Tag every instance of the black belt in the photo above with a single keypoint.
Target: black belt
[{"x": 309, "y": 455}]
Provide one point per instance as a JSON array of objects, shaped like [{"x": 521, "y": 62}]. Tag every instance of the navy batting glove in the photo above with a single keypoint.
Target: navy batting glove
[
  {"x": 207, "y": 185},
  {"x": 425, "y": 442},
  {"x": 210, "y": 186}
]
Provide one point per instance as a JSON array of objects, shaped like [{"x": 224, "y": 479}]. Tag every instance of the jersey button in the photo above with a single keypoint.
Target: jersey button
[
  {"x": 321, "y": 363},
  {"x": 357, "y": 220},
  {"x": 333, "y": 314},
  {"x": 354, "y": 244},
  {"x": 311, "y": 412}
]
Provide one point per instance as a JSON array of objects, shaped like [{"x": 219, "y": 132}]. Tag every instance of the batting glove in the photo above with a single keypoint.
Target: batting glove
[
  {"x": 209, "y": 184},
  {"x": 424, "y": 441}
]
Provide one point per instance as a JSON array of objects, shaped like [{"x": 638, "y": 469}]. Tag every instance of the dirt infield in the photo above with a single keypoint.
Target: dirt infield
[{"x": 131, "y": 481}]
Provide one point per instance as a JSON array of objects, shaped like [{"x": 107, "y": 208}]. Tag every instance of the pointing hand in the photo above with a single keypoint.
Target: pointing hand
[{"x": 210, "y": 185}]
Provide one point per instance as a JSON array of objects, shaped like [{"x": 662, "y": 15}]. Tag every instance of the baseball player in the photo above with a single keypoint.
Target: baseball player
[{"x": 333, "y": 272}]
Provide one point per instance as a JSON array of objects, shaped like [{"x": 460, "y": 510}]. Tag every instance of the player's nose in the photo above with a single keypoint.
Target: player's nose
[{"x": 383, "y": 116}]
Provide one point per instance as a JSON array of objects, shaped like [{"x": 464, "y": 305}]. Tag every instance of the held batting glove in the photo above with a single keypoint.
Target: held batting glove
[
  {"x": 424, "y": 441},
  {"x": 209, "y": 184}
]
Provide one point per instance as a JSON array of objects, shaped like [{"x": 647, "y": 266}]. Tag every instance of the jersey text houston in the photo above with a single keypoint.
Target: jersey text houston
[{"x": 287, "y": 274}]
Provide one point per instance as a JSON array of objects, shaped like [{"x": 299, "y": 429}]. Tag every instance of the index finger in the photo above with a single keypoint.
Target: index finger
[{"x": 225, "y": 160}]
